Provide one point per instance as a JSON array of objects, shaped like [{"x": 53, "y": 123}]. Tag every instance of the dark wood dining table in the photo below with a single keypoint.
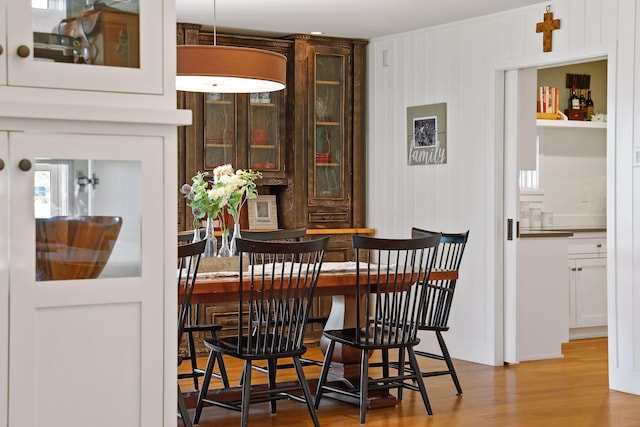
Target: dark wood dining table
[{"x": 338, "y": 280}]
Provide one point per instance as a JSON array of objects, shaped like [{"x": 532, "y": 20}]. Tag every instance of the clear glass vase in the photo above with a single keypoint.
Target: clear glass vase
[
  {"x": 236, "y": 235},
  {"x": 196, "y": 234},
  {"x": 211, "y": 248},
  {"x": 224, "y": 246}
]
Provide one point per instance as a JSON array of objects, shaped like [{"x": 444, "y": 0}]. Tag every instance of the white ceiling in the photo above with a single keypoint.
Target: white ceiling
[{"x": 366, "y": 19}]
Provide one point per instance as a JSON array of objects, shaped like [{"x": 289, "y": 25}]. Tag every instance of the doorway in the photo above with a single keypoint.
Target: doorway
[{"x": 509, "y": 135}]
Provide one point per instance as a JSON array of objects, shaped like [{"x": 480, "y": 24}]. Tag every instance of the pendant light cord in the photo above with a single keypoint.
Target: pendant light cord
[{"x": 214, "y": 24}]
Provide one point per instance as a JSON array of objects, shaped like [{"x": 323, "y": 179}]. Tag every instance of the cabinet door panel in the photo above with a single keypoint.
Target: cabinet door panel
[
  {"x": 68, "y": 334},
  {"x": 591, "y": 292},
  {"x": 115, "y": 50}
]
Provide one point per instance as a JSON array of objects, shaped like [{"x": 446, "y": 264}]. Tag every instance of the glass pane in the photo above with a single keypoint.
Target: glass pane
[
  {"x": 88, "y": 218},
  {"x": 329, "y": 131},
  {"x": 219, "y": 121},
  {"x": 86, "y": 32},
  {"x": 264, "y": 144}
]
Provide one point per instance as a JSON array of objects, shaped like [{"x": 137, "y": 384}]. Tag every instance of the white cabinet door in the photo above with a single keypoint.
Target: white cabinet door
[
  {"x": 116, "y": 39},
  {"x": 591, "y": 292},
  {"x": 85, "y": 350}
]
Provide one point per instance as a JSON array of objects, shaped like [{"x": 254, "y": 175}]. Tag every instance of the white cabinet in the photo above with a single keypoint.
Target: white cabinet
[
  {"x": 67, "y": 335},
  {"x": 125, "y": 50},
  {"x": 68, "y": 344},
  {"x": 542, "y": 297},
  {"x": 587, "y": 285}
]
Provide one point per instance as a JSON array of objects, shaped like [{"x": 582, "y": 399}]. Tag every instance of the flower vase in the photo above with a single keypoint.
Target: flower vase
[
  {"x": 196, "y": 234},
  {"x": 211, "y": 248},
  {"x": 236, "y": 235},
  {"x": 224, "y": 246}
]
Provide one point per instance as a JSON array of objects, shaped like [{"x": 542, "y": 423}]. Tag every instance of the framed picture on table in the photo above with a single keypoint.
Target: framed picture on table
[{"x": 263, "y": 213}]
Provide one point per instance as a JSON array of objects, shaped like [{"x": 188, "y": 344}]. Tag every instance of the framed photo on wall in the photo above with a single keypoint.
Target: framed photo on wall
[
  {"x": 427, "y": 134},
  {"x": 263, "y": 213}
]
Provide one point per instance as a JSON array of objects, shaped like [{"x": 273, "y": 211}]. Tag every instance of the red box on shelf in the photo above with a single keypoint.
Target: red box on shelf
[{"x": 574, "y": 114}]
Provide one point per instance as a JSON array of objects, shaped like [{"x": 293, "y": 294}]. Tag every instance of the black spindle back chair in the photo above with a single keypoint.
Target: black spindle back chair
[
  {"x": 274, "y": 295},
  {"x": 391, "y": 299}
]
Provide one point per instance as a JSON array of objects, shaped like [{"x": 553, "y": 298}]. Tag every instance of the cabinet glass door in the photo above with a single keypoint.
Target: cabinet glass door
[
  {"x": 87, "y": 278},
  {"x": 329, "y": 135},
  {"x": 119, "y": 38},
  {"x": 74, "y": 31},
  {"x": 265, "y": 143},
  {"x": 219, "y": 130}
]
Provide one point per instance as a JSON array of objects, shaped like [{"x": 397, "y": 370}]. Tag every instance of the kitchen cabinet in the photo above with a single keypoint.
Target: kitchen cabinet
[
  {"x": 83, "y": 142},
  {"x": 117, "y": 49},
  {"x": 587, "y": 285},
  {"x": 542, "y": 296}
]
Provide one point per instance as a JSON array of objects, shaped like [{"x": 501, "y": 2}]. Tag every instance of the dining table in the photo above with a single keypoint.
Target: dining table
[{"x": 338, "y": 280}]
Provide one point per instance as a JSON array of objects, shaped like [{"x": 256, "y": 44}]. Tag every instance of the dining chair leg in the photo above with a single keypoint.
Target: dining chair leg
[
  {"x": 223, "y": 370},
  {"x": 324, "y": 372},
  {"x": 272, "y": 365},
  {"x": 400, "y": 370},
  {"x": 418, "y": 376},
  {"x": 364, "y": 385},
  {"x": 211, "y": 361},
  {"x": 246, "y": 393},
  {"x": 305, "y": 390},
  {"x": 193, "y": 359},
  {"x": 447, "y": 359},
  {"x": 182, "y": 409}
]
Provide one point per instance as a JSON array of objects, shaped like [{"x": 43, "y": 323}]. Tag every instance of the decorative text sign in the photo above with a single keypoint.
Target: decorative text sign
[{"x": 427, "y": 134}]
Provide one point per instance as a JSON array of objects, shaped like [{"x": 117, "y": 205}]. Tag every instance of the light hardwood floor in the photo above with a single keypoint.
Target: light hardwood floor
[{"x": 567, "y": 392}]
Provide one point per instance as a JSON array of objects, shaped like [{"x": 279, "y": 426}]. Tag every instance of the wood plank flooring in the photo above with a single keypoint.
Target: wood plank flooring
[{"x": 567, "y": 392}]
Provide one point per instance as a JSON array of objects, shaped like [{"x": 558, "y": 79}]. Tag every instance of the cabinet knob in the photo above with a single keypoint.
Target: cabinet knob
[
  {"x": 1, "y": 49},
  {"x": 599, "y": 245},
  {"x": 23, "y": 51},
  {"x": 579, "y": 268},
  {"x": 24, "y": 165},
  {"x": 573, "y": 269},
  {"x": 1, "y": 164}
]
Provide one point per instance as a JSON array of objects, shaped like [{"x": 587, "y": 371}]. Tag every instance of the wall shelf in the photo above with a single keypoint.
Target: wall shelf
[{"x": 571, "y": 124}]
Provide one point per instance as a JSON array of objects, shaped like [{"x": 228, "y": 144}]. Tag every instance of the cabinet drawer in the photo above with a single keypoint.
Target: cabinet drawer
[
  {"x": 580, "y": 246},
  {"x": 324, "y": 217}
]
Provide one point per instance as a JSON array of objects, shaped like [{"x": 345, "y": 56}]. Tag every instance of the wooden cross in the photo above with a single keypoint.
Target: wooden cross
[{"x": 546, "y": 27}]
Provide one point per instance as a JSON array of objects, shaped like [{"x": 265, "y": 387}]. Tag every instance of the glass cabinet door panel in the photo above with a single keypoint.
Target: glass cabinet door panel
[
  {"x": 264, "y": 131},
  {"x": 87, "y": 227},
  {"x": 80, "y": 32},
  {"x": 219, "y": 129},
  {"x": 52, "y": 41},
  {"x": 329, "y": 126}
]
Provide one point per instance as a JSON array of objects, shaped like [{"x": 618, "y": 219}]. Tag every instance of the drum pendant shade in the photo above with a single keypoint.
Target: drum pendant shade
[{"x": 228, "y": 69}]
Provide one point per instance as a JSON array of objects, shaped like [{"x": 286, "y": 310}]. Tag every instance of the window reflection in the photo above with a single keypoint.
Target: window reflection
[{"x": 88, "y": 219}]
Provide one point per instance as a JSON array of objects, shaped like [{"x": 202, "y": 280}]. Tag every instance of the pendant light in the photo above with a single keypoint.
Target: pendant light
[{"x": 228, "y": 69}]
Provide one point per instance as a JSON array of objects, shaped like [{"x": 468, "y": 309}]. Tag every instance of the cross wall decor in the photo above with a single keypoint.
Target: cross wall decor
[{"x": 546, "y": 27}]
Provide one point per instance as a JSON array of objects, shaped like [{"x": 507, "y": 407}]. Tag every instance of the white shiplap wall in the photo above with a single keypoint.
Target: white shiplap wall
[{"x": 458, "y": 64}]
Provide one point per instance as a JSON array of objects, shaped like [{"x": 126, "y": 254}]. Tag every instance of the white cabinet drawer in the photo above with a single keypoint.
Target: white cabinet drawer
[{"x": 593, "y": 246}]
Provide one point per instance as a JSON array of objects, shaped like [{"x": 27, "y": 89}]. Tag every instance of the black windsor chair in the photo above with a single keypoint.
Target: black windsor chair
[
  {"x": 275, "y": 296},
  {"x": 390, "y": 300}
]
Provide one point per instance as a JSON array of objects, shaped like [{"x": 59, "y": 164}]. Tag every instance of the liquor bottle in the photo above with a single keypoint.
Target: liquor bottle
[
  {"x": 574, "y": 101},
  {"x": 582, "y": 100},
  {"x": 590, "y": 107}
]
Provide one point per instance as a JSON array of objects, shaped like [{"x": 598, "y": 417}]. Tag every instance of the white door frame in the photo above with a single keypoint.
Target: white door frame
[{"x": 505, "y": 320}]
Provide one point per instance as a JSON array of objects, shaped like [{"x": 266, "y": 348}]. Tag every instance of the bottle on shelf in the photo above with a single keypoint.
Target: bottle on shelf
[
  {"x": 574, "y": 101},
  {"x": 590, "y": 108},
  {"x": 582, "y": 100}
]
